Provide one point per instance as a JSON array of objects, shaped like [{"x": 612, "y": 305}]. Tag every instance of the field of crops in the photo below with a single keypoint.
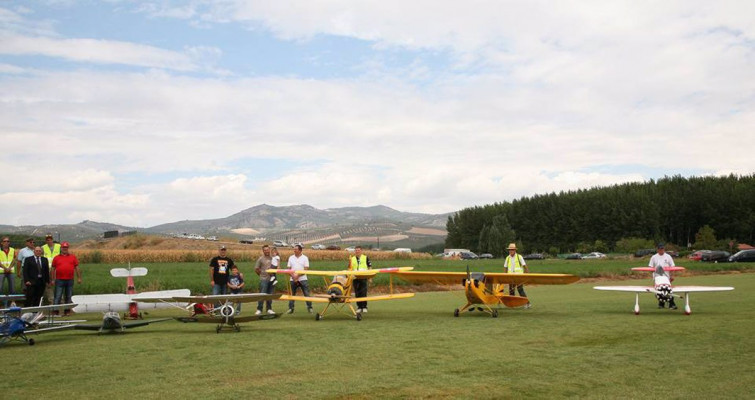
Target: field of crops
[{"x": 574, "y": 342}]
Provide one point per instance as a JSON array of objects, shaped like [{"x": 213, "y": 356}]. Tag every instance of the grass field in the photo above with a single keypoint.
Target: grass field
[{"x": 574, "y": 342}]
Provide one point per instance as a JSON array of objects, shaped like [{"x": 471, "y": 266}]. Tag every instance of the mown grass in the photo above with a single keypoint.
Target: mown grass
[
  {"x": 574, "y": 342},
  {"x": 194, "y": 276}
]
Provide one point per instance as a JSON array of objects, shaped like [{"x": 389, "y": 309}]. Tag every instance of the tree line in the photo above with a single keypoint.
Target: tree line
[{"x": 672, "y": 209}]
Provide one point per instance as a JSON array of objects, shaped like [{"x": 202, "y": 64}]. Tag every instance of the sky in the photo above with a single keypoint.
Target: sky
[{"x": 142, "y": 113}]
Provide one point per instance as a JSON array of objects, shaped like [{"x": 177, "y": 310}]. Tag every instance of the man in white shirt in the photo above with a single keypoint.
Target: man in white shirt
[
  {"x": 298, "y": 262},
  {"x": 658, "y": 261}
]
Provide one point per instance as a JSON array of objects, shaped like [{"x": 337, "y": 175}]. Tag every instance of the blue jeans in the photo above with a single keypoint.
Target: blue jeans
[
  {"x": 219, "y": 289},
  {"x": 266, "y": 287},
  {"x": 62, "y": 285},
  {"x": 304, "y": 289}
]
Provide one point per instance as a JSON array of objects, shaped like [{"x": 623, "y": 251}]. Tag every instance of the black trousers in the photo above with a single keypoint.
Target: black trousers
[
  {"x": 34, "y": 293},
  {"x": 360, "y": 290},
  {"x": 520, "y": 289}
]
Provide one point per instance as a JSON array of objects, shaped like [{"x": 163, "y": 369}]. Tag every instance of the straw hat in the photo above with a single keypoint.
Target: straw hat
[{"x": 512, "y": 246}]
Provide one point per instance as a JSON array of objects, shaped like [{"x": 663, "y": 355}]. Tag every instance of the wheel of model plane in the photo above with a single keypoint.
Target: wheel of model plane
[
  {"x": 494, "y": 314},
  {"x": 359, "y": 316},
  {"x": 31, "y": 342},
  {"x": 456, "y": 312},
  {"x": 318, "y": 317}
]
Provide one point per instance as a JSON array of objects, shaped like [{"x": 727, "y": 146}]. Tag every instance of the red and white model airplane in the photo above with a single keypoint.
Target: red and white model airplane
[{"x": 662, "y": 288}]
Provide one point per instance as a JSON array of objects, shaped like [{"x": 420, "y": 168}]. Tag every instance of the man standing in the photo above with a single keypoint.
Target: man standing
[
  {"x": 36, "y": 277},
  {"x": 27, "y": 251},
  {"x": 50, "y": 249},
  {"x": 298, "y": 262},
  {"x": 64, "y": 266},
  {"x": 658, "y": 261},
  {"x": 514, "y": 264},
  {"x": 220, "y": 267},
  {"x": 266, "y": 286},
  {"x": 360, "y": 262},
  {"x": 8, "y": 264}
]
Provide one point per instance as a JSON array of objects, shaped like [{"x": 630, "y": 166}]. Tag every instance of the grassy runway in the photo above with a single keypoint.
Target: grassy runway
[{"x": 574, "y": 342}]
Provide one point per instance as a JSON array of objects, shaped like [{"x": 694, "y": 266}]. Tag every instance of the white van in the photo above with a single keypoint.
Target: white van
[{"x": 402, "y": 250}]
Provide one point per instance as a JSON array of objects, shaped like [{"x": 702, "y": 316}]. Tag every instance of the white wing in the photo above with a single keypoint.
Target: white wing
[
  {"x": 634, "y": 289},
  {"x": 160, "y": 299},
  {"x": 101, "y": 302},
  {"x": 690, "y": 289},
  {"x": 123, "y": 272}
]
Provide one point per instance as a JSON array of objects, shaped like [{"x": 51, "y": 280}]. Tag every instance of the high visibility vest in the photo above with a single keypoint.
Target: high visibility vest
[
  {"x": 7, "y": 259},
  {"x": 358, "y": 265},
  {"x": 517, "y": 267},
  {"x": 49, "y": 255}
]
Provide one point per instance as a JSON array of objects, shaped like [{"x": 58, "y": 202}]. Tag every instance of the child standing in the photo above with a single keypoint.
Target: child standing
[{"x": 236, "y": 284}]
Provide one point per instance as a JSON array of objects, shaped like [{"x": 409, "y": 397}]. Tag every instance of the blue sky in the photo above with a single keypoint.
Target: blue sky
[{"x": 156, "y": 111}]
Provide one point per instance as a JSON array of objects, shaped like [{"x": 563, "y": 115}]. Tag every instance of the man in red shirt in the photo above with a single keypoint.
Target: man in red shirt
[{"x": 63, "y": 267}]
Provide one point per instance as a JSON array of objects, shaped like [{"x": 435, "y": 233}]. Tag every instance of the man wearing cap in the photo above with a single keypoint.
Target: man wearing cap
[
  {"x": 658, "y": 261},
  {"x": 8, "y": 264},
  {"x": 64, "y": 266},
  {"x": 220, "y": 268},
  {"x": 514, "y": 264},
  {"x": 36, "y": 277},
  {"x": 27, "y": 251}
]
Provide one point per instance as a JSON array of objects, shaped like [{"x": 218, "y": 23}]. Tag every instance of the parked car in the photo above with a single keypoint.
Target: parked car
[
  {"x": 350, "y": 249},
  {"x": 698, "y": 255},
  {"x": 644, "y": 252},
  {"x": 468, "y": 255},
  {"x": 534, "y": 256},
  {"x": 486, "y": 255},
  {"x": 716, "y": 256},
  {"x": 212, "y": 238},
  {"x": 402, "y": 250},
  {"x": 333, "y": 247},
  {"x": 593, "y": 255},
  {"x": 280, "y": 243},
  {"x": 246, "y": 241},
  {"x": 574, "y": 256},
  {"x": 743, "y": 256},
  {"x": 318, "y": 247}
]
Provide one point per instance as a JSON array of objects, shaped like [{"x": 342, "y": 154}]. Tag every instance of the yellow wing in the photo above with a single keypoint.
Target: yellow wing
[
  {"x": 360, "y": 274},
  {"x": 288, "y": 297},
  {"x": 381, "y": 297},
  {"x": 451, "y": 278}
]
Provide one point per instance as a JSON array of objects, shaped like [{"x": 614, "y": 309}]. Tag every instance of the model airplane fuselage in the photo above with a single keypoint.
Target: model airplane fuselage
[{"x": 19, "y": 322}]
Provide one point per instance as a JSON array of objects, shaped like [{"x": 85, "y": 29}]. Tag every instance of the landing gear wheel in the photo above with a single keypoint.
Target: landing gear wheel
[
  {"x": 456, "y": 312},
  {"x": 494, "y": 314},
  {"x": 359, "y": 316},
  {"x": 31, "y": 342},
  {"x": 318, "y": 317}
]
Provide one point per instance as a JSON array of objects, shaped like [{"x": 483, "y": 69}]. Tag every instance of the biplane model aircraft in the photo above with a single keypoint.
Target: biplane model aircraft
[
  {"x": 662, "y": 288},
  {"x": 111, "y": 322},
  {"x": 486, "y": 290},
  {"x": 128, "y": 302},
  {"x": 222, "y": 309},
  {"x": 18, "y": 322},
  {"x": 339, "y": 293}
]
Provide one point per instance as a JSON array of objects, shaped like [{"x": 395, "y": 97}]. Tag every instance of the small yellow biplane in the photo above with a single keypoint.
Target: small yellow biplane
[
  {"x": 486, "y": 289},
  {"x": 339, "y": 293}
]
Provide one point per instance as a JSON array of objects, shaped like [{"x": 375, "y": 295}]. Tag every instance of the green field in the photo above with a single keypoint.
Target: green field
[
  {"x": 194, "y": 276},
  {"x": 574, "y": 342}
]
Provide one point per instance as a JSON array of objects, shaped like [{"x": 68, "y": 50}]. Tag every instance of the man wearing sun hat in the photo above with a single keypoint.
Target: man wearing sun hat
[
  {"x": 64, "y": 266},
  {"x": 514, "y": 264}
]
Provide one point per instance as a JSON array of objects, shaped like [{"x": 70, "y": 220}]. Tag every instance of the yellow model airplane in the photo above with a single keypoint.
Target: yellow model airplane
[
  {"x": 339, "y": 292},
  {"x": 486, "y": 289}
]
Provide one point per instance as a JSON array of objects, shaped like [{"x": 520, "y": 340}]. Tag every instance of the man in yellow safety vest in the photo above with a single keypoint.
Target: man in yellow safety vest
[
  {"x": 50, "y": 250},
  {"x": 8, "y": 263},
  {"x": 515, "y": 264},
  {"x": 360, "y": 262}
]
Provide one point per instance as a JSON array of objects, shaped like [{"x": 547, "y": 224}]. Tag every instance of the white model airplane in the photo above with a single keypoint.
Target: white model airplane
[
  {"x": 128, "y": 302},
  {"x": 663, "y": 290}
]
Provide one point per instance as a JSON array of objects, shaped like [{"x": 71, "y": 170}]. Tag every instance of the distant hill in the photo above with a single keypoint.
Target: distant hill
[
  {"x": 267, "y": 218},
  {"x": 295, "y": 223}
]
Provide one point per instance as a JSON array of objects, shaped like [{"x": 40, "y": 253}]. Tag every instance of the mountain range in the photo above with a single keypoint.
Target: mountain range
[{"x": 262, "y": 219}]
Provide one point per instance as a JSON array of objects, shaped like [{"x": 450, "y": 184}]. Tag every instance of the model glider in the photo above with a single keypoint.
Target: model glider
[
  {"x": 18, "y": 322},
  {"x": 486, "y": 289},
  {"x": 222, "y": 309},
  {"x": 339, "y": 294},
  {"x": 111, "y": 322},
  {"x": 663, "y": 290},
  {"x": 129, "y": 302}
]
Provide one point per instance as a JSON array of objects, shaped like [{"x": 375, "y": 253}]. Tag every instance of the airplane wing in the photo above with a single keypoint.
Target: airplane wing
[
  {"x": 42, "y": 308},
  {"x": 690, "y": 289},
  {"x": 359, "y": 274},
  {"x": 451, "y": 278},
  {"x": 305, "y": 298},
  {"x": 236, "y": 298},
  {"x": 634, "y": 289},
  {"x": 381, "y": 297},
  {"x": 97, "y": 327},
  {"x": 214, "y": 320},
  {"x": 101, "y": 302},
  {"x": 50, "y": 329},
  {"x": 651, "y": 269},
  {"x": 123, "y": 272}
]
